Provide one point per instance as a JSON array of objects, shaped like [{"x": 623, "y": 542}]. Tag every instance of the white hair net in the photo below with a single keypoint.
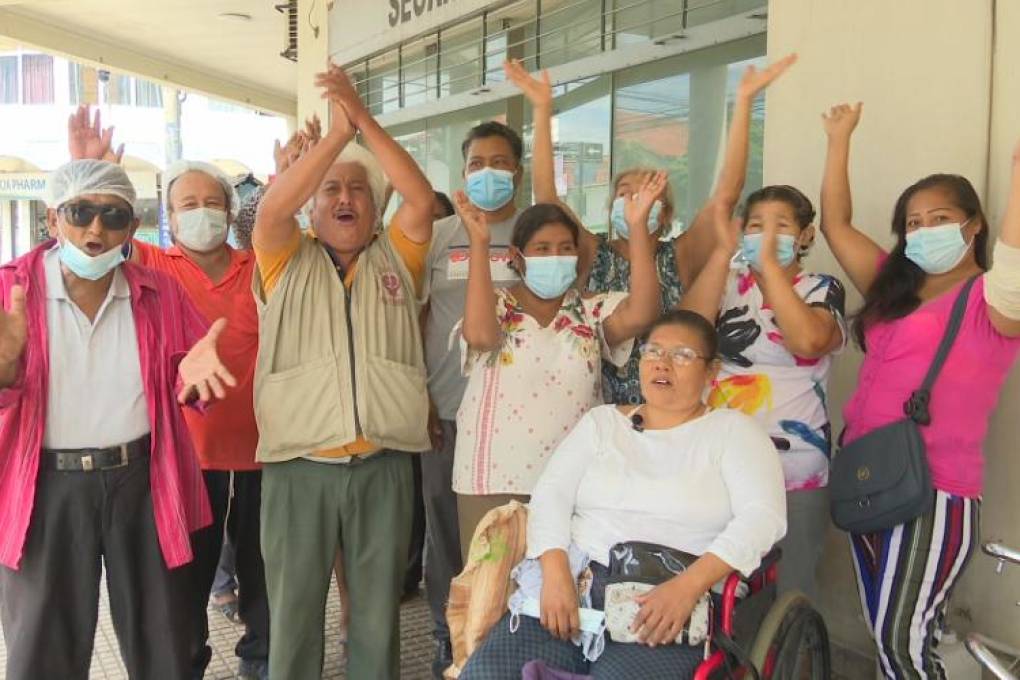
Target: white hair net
[
  {"x": 182, "y": 167},
  {"x": 87, "y": 176},
  {"x": 355, "y": 153}
]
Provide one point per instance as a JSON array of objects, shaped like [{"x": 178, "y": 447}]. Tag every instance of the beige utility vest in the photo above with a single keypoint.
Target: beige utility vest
[{"x": 334, "y": 363}]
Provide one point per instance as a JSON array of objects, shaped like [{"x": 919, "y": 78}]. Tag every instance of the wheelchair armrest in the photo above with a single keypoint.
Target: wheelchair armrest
[
  {"x": 759, "y": 578},
  {"x": 769, "y": 561}
]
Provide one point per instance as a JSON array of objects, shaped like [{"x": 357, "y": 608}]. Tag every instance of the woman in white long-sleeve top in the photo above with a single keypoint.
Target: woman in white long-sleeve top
[{"x": 670, "y": 472}]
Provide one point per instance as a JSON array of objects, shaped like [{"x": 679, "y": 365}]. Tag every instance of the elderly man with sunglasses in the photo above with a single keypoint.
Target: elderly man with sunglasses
[
  {"x": 96, "y": 465},
  {"x": 201, "y": 205}
]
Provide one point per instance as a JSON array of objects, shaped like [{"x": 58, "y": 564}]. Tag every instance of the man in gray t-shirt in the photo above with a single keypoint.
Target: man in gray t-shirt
[{"x": 492, "y": 172}]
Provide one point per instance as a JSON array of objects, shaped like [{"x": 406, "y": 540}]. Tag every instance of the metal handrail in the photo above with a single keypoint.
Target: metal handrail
[
  {"x": 981, "y": 648},
  {"x": 1002, "y": 553}
]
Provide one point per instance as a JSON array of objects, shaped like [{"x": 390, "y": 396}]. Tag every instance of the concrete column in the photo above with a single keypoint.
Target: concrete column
[
  {"x": 172, "y": 114},
  {"x": 313, "y": 51}
]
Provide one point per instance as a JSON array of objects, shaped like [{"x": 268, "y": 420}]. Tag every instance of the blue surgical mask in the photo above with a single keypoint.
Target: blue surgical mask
[
  {"x": 88, "y": 267},
  {"x": 750, "y": 249},
  {"x": 619, "y": 222},
  {"x": 550, "y": 276},
  {"x": 937, "y": 250},
  {"x": 490, "y": 189}
]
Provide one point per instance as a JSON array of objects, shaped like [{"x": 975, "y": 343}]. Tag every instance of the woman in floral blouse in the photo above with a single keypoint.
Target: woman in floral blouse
[
  {"x": 532, "y": 352},
  {"x": 605, "y": 260}
]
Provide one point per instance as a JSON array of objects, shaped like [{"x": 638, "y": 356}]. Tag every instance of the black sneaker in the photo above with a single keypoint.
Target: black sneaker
[{"x": 253, "y": 669}]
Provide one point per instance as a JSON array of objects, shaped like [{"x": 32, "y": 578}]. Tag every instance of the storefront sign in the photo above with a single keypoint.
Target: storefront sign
[
  {"x": 363, "y": 27},
  {"x": 31, "y": 186}
]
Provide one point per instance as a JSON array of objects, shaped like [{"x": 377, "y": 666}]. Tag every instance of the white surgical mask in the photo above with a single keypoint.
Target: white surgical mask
[{"x": 202, "y": 229}]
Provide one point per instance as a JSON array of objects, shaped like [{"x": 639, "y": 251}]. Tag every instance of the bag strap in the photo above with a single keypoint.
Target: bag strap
[{"x": 917, "y": 406}]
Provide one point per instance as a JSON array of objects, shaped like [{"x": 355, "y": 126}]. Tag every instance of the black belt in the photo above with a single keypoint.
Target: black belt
[{"x": 90, "y": 460}]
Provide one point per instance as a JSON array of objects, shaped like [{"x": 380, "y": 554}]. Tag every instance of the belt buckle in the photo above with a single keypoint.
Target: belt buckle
[
  {"x": 123, "y": 458},
  {"x": 86, "y": 463}
]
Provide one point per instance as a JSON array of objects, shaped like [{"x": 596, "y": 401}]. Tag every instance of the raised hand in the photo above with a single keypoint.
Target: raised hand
[
  {"x": 538, "y": 92},
  {"x": 638, "y": 206},
  {"x": 727, "y": 227},
  {"x": 90, "y": 140},
  {"x": 472, "y": 217},
  {"x": 769, "y": 246},
  {"x": 13, "y": 332},
  {"x": 313, "y": 128},
  {"x": 285, "y": 155},
  {"x": 754, "y": 81},
  {"x": 841, "y": 120},
  {"x": 202, "y": 371},
  {"x": 341, "y": 92}
]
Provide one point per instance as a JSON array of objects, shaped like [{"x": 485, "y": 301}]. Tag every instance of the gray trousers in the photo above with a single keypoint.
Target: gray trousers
[
  {"x": 442, "y": 530},
  {"x": 82, "y": 521},
  {"x": 807, "y": 519}
]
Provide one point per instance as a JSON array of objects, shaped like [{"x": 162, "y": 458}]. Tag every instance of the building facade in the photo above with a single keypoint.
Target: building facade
[{"x": 156, "y": 124}]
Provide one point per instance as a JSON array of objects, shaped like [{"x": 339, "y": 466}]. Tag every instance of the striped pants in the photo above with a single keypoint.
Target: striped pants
[{"x": 905, "y": 576}]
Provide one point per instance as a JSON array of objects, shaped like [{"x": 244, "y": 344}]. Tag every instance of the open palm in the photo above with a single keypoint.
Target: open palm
[
  {"x": 472, "y": 217},
  {"x": 87, "y": 139},
  {"x": 202, "y": 371},
  {"x": 639, "y": 205},
  {"x": 538, "y": 92}
]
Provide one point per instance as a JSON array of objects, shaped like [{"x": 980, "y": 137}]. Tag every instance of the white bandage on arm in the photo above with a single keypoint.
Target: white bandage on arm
[{"x": 1002, "y": 282}]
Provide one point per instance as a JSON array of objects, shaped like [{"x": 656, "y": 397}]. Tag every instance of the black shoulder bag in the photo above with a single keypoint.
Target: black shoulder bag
[{"x": 882, "y": 479}]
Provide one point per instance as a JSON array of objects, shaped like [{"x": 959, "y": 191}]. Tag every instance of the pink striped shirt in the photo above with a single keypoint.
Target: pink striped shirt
[{"x": 167, "y": 325}]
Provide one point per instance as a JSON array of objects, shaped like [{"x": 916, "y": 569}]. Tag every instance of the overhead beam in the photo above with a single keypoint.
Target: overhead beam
[{"x": 101, "y": 52}]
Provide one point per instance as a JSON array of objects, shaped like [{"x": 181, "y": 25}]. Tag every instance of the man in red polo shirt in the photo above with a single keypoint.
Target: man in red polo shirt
[{"x": 201, "y": 203}]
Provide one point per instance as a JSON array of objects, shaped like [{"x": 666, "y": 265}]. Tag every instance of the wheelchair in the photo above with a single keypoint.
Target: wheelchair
[{"x": 765, "y": 636}]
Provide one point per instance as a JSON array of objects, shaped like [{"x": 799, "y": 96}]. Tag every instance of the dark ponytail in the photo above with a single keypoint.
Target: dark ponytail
[{"x": 894, "y": 293}]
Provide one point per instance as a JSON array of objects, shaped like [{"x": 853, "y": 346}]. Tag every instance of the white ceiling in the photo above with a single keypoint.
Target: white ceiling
[{"x": 186, "y": 42}]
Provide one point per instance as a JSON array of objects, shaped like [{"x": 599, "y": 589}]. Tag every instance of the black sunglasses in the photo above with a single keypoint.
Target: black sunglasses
[{"x": 82, "y": 214}]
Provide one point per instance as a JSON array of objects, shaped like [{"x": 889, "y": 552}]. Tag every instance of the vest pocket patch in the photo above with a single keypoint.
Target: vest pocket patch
[{"x": 390, "y": 288}]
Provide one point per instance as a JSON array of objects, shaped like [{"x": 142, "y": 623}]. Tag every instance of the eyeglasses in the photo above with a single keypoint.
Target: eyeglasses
[
  {"x": 680, "y": 355},
  {"x": 82, "y": 214}
]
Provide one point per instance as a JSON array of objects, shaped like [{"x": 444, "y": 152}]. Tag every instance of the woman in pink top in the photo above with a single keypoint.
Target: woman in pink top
[{"x": 905, "y": 574}]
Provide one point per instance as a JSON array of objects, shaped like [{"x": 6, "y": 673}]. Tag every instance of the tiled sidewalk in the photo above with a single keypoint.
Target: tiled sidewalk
[{"x": 415, "y": 646}]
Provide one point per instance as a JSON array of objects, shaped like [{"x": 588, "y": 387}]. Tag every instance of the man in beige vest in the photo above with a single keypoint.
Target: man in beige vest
[{"x": 340, "y": 388}]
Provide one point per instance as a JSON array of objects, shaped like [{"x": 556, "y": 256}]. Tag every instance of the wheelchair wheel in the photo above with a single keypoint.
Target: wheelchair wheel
[{"x": 792, "y": 642}]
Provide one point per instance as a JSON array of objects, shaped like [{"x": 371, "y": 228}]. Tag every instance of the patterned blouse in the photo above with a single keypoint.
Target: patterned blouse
[
  {"x": 611, "y": 273},
  {"x": 525, "y": 397},
  {"x": 787, "y": 394}
]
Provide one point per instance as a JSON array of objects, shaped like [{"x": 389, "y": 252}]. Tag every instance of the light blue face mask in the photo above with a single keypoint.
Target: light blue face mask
[
  {"x": 750, "y": 249},
  {"x": 85, "y": 266},
  {"x": 490, "y": 189},
  {"x": 620, "y": 227},
  {"x": 937, "y": 250},
  {"x": 550, "y": 276}
]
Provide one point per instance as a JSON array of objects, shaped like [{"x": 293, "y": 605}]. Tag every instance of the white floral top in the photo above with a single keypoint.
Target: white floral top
[
  {"x": 525, "y": 397},
  {"x": 787, "y": 394}
]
